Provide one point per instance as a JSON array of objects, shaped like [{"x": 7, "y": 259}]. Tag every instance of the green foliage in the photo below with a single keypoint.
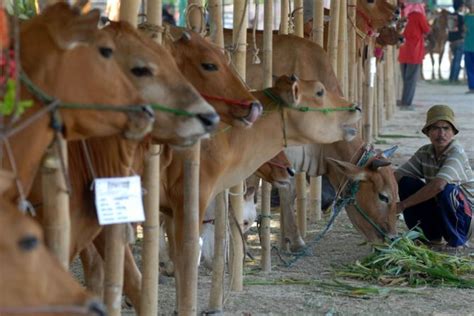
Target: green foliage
[
  {"x": 404, "y": 262},
  {"x": 7, "y": 105},
  {"x": 25, "y": 9}
]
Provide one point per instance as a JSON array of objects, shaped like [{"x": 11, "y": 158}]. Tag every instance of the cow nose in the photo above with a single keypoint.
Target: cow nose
[
  {"x": 290, "y": 171},
  {"x": 96, "y": 308},
  {"x": 258, "y": 106},
  {"x": 356, "y": 107},
  {"x": 208, "y": 120}
]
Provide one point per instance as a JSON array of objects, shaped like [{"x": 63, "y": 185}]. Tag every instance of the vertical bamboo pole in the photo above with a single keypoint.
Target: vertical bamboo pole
[
  {"x": 352, "y": 59},
  {"x": 284, "y": 197},
  {"x": 380, "y": 97},
  {"x": 151, "y": 226},
  {"x": 389, "y": 87},
  {"x": 216, "y": 297},
  {"x": 342, "y": 48},
  {"x": 370, "y": 68},
  {"x": 301, "y": 202},
  {"x": 115, "y": 235},
  {"x": 240, "y": 23},
  {"x": 266, "y": 263},
  {"x": 333, "y": 34},
  {"x": 315, "y": 182},
  {"x": 299, "y": 18},
  {"x": 318, "y": 22},
  {"x": 284, "y": 16},
  {"x": 56, "y": 219},
  {"x": 315, "y": 189}
]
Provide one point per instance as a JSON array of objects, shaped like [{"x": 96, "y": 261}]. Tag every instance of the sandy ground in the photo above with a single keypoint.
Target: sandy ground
[{"x": 342, "y": 245}]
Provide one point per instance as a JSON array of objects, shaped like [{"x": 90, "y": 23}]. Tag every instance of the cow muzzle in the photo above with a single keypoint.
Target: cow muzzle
[
  {"x": 140, "y": 123},
  {"x": 96, "y": 308},
  {"x": 255, "y": 111},
  {"x": 208, "y": 120}
]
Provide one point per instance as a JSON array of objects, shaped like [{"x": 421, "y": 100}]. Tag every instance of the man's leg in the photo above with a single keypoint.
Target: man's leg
[
  {"x": 469, "y": 66},
  {"x": 456, "y": 215},
  {"x": 411, "y": 73},
  {"x": 457, "y": 50},
  {"x": 423, "y": 214}
]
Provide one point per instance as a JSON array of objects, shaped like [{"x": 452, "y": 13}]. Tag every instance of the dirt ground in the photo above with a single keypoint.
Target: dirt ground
[{"x": 343, "y": 245}]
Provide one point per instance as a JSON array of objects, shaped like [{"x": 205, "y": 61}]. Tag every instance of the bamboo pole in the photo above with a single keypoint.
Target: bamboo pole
[
  {"x": 301, "y": 202},
  {"x": 216, "y": 297},
  {"x": 352, "y": 58},
  {"x": 115, "y": 235},
  {"x": 240, "y": 22},
  {"x": 56, "y": 219},
  {"x": 266, "y": 263},
  {"x": 370, "y": 69},
  {"x": 342, "y": 48},
  {"x": 315, "y": 189},
  {"x": 333, "y": 34},
  {"x": 389, "y": 87},
  {"x": 284, "y": 9},
  {"x": 151, "y": 226},
  {"x": 299, "y": 18},
  {"x": 380, "y": 97},
  {"x": 284, "y": 197},
  {"x": 318, "y": 22}
]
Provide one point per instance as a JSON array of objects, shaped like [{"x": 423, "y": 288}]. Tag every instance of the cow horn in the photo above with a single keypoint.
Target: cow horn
[
  {"x": 387, "y": 153},
  {"x": 377, "y": 163},
  {"x": 186, "y": 36}
]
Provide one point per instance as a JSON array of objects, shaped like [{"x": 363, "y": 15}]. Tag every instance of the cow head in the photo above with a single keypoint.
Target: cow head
[
  {"x": 152, "y": 70},
  {"x": 277, "y": 171},
  {"x": 208, "y": 69},
  {"x": 377, "y": 196},
  {"x": 315, "y": 114}
]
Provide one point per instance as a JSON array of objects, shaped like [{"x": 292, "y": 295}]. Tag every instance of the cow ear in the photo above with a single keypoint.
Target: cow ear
[
  {"x": 296, "y": 93},
  {"x": 79, "y": 30},
  {"x": 348, "y": 169}
]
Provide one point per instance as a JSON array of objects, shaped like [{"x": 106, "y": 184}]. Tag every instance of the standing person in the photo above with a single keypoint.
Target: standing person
[
  {"x": 469, "y": 49},
  {"x": 442, "y": 204},
  {"x": 412, "y": 51},
  {"x": 456, "y": 39}
]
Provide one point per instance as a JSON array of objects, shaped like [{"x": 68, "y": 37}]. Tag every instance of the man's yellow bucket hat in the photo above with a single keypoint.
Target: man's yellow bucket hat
[{"x": 439, "y": 112}]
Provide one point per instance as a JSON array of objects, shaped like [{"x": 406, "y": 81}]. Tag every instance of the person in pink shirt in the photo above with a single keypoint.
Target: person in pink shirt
[{"x": 412, "y": 51}]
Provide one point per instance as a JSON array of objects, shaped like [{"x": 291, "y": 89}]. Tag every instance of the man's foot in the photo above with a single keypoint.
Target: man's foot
[{"x": 471, "y": 91}]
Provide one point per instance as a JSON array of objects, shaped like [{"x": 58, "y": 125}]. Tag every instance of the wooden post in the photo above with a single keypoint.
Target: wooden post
[
  {"x": 266, "y": 263},
  {"x": 333, "y": 34},
  {"x": 318, "y": 22},
  {"x": 284, "y": 197},
  {"x": 284, "y": 16},
  {"x": 216, "y": 297},
  {"x": 115, "y": 235},
  {"x": 352, "y": 59},
  {"x": 370, "y": 69},
  {"x": 342, "y": 48},
  {"x": 299, "y": 18},
  {"x": 389, "y": 88},
  {"x": 236, "y": 199},
  {"x": 315, "y": 189},
  {"x": 301, "y": 202},
  {"x": 56, "y": 219},
  {"x": 380, "y": 97}
]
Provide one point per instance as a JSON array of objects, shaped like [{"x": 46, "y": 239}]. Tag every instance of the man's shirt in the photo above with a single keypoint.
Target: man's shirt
[{"x": 452, "y": 166}]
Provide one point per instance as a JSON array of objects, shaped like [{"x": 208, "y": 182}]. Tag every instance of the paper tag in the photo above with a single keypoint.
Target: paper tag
[{"x": 119, "y": 200}]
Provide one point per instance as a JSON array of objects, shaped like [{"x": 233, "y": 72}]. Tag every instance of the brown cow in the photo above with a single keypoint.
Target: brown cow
[
  {"x": 377, "y": 194},
  {"x": 32, "y": 280},
  {"x": 81, "y": 75}
]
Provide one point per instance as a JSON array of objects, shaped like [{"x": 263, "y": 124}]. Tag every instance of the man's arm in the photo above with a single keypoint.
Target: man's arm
[{"x": 427, "y": 192}]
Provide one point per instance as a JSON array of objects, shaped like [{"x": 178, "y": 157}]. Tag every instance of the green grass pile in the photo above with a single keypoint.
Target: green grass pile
[{"x": 406, "y": 261}]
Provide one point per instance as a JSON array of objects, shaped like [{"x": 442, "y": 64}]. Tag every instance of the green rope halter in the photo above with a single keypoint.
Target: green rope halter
[{"x": 47, "y": 99}]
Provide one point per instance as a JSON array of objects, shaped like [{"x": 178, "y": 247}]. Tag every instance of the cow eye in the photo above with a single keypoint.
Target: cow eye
[
  {"x": 383, "y": 198},
  {"x": 28, "y": 242},
  {"x": 320, "y": 93},
  {"x": 141, "y": 72},
  {"x": 106, "y": 52},
  {"x": 209, "y": 67}
]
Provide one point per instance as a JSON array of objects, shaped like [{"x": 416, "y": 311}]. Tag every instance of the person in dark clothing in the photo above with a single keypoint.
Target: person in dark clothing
[
  {"x": 456, "y": 39},
  {"x": 168, "y": 16}
]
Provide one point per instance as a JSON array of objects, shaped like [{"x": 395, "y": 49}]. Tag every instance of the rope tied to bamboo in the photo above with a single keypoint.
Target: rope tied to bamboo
[{"x": 202, "y": 10}]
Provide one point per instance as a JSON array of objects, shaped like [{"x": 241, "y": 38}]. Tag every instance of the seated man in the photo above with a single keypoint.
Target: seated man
[{"x": 442, "y": 204}]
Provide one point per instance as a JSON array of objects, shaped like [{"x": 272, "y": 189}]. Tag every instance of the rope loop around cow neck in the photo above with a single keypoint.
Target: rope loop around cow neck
[{"x": 47, "y": 99}]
